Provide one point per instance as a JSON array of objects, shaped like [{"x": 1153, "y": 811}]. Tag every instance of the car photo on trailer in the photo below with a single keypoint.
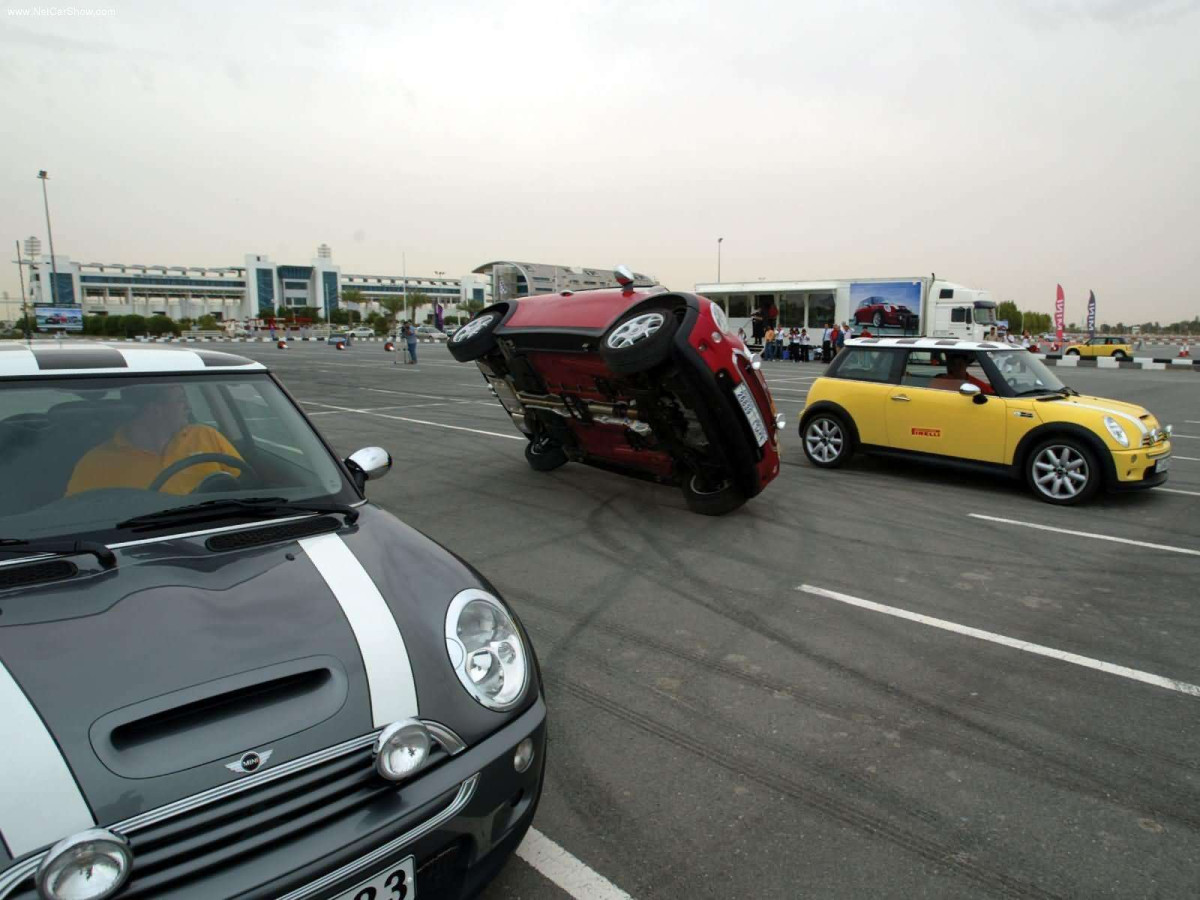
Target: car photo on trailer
[{"x": 224, "y": 672}]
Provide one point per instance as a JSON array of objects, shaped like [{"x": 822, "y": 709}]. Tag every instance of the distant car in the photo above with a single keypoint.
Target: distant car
[
  {"x": 878, "y": 311},
  {"x": 229, "y": 674},
  {"x": 638, "y": 380},
  {"x": 362, "y": 332},
  {"x": 983, "y": 405},
  {"x": 338, "y": 337},
  {"x": 1116, "y": 347},
  {"x": 429, "y": 333}
]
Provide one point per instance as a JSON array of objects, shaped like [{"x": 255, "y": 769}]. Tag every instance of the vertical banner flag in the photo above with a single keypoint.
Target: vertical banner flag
[
  {"x": 437, "y": 315},
  {"x": 1091, "y": 314},
  {"x": 1059, "y": 303}
]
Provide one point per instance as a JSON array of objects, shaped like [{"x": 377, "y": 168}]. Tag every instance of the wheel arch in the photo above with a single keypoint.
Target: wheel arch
[
  {"x": 1065, "y": 429},
  {"x": 830, "y": 406}
]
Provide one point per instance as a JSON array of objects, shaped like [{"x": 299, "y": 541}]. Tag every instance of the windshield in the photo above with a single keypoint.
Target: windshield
[
  {"x": 985, "y": 315},
  {"x": 1023, "y": 372},
  {"x": 81, "y": 455}
]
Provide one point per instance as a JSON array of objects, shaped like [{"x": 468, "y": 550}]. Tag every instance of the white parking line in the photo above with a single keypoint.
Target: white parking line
[
  {"x": 1188, "y": 458},
  {"x": 565, "y": 870},
  {"x": 367, "y": 412},
  {"x": 1186, "y": 437},
  {"x": 1087, "y": 534},
  {"x": 1177, "y": 491},
  {"x": 1170, "y": 684}
]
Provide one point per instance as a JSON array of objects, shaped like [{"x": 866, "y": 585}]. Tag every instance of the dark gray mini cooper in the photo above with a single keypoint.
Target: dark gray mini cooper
[{"x": 223, "y": 673}]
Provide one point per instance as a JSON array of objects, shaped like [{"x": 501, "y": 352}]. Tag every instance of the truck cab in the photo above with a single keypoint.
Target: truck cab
[{"x": 959, "y": 312}]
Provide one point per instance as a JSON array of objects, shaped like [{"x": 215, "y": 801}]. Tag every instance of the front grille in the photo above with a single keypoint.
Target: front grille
[{"x": 181, "y": 844}]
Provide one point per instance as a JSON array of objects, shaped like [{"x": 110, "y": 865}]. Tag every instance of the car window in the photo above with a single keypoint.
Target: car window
[
  {"x": 865, "y": 364},
  {"x": 87, "y": 455},
  {"x": 933, "y": 369}
]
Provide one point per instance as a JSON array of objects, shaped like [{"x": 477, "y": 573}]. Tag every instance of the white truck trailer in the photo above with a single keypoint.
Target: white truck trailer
[{"x": 919, "y": 306}]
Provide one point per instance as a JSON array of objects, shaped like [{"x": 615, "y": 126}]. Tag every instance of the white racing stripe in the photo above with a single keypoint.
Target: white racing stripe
[
  {"x": 565, "y": 870},
  {"x": 385, "y": 658},
  {"x": 1087, "y": 534},
  {"x": 1114, "y": 412},
  {"x": 40, "y": 803},
  {"x": 1170, "y": 684}
]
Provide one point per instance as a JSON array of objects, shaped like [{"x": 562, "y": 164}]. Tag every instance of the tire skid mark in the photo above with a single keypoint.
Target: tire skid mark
[{"x": 930, "y": 850}]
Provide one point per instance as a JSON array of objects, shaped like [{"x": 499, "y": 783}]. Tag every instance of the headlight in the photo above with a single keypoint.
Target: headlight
[
  {"x": 719, "y": 316},
  {"x": 486, "y": 650},
  {"x": 401, "y": 749},
  {"x": 90, "y": 865},
  {"x": 1116, "y": 431}
]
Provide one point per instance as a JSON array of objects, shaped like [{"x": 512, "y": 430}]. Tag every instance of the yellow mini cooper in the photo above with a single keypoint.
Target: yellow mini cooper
[
  {"x": 1116, "y": 347},
  {"x": 983, "y": 405}
]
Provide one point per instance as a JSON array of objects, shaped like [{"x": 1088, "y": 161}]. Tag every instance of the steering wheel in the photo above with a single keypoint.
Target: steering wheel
[{"x": 197, "y": 459}]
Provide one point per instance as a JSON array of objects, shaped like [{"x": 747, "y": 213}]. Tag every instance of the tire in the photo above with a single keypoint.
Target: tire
[
  {"x": 1072, "y": 353},
  {"x": 826, "y": 440},
  {"x": 1120, "y": 355},
  {"x": 544, "y": 455},
  {"x": 477, "y": 338},
  {"x": 1053, "y": 469},
  {"x": 639, "y": 340},
  {"x": 877, "y": 319},
  {"x": 711, "y": 500}
]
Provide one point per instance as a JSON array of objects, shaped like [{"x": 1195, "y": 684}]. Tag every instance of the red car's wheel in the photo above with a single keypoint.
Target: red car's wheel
[
  {"x": 640, "y": 340},
  {"x": 711, "y": 498},
  {"x": 477, "y": 337},
  {"x": 544, "y": 455}
]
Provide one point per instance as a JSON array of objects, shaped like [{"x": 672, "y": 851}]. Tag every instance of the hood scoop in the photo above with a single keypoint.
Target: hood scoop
[
  {"x": 222, "y": 718},
  {"x": 36, "y": 573}
]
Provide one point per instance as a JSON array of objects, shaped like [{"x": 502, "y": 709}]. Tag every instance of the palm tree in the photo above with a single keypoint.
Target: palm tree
[
  {"x": 394, "y": 304},
  {"x": 353, "y": 296}
]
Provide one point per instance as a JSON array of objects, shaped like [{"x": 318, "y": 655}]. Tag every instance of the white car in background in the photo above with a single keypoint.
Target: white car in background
[
  {"x": 429, "y": 333},
  {"x": 362, "y": 332}
]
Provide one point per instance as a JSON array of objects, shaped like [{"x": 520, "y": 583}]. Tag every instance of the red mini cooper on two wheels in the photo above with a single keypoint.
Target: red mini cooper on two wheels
[{"x": 635, "y": 379}]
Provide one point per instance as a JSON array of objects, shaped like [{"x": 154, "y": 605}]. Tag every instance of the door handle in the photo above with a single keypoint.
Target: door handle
[{"x": 901, "y": 397}]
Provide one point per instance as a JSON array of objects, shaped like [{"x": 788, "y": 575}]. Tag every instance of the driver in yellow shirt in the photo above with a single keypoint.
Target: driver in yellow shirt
[{"x": 158, "y": 436}]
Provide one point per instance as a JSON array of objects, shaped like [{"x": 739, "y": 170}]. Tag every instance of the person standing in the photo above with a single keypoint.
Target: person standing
[
  {"x": 769, "y": 344},
  {"x": 794, "y": 345},
  {"x": 772, "y": 315},
  {"x": 410, "y": 339},
  {"x": 835, "y": 338},
  {"x": 805, "y": 344},
  {"x": 756, "y": 325},
  {"x": 826, "y": 342}
]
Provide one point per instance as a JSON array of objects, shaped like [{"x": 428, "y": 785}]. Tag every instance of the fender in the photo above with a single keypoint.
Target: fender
[
  {"x": 830, "y": 407},
  {"x": 1051, "y": 429}
]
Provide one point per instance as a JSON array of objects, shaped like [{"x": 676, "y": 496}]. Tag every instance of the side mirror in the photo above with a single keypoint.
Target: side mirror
[
  {"x": 972, "y": 390},
  {"x": 368, "y": 464}
]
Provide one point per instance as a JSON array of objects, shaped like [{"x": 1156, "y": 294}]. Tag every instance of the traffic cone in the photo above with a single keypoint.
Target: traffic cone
[
  {"x": 1184, "y": 352},
  {"x": 389, "y": 347},
  {"x": 341, "y": 345},
  {"x": 282, "y": 345}
]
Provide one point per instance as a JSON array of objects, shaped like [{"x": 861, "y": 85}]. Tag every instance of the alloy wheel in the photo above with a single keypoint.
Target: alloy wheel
[
  {"x": 635, "y": 330},
  {"x": 824, "y": 440},
  {"x": 1060, "y": 472},
  {"x": 472, "y": 328}
]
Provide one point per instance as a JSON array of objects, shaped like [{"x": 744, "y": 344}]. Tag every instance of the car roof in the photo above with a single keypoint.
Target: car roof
[
  {"x": 94, "y": 358},
  {"x": 931, "y": 343}
]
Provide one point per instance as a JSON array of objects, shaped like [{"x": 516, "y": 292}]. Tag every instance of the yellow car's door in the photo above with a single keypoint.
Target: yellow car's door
[{"x": 926, "y": 413}]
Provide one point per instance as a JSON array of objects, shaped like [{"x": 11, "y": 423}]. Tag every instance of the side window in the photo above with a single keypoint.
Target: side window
[
  {"x": 958, "y": 314},
  {"x": 922, "y": 366},
  {"x": 865, "y": 364}
]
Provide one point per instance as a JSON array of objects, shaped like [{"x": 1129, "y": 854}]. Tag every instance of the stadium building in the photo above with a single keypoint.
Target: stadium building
[
  {"x": 253, "y": 290},
  {"x": 520, "y": 279}
]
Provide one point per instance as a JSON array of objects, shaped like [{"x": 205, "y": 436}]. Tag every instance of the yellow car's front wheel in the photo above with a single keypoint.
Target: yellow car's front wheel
[
  {"x": 1062, "y": 470},
  {"x": 827, "y": 441}
]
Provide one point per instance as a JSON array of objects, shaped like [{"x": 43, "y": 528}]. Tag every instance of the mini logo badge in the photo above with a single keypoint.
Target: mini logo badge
[{"x": 249, "y": 762}]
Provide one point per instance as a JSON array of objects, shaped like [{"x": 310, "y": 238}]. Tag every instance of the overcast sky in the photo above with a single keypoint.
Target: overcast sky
[{"x": 1006, "y": 145}]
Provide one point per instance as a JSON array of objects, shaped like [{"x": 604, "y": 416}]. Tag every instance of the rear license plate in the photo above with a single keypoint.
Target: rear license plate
[
  {"x": 399, "y": 882},
  {"x": 1162, "y": 465},
  {"x": 746, "y": 401}
]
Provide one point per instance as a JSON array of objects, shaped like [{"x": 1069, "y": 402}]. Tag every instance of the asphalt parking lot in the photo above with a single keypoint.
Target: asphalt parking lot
[{"x": 886, "y": 680}]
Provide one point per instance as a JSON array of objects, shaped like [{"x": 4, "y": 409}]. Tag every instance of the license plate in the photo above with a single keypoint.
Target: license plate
[
  {"x": 746, "y": 401},
  {"x": 1162, "y": 465},
  {"x": 399, "y": 882}
]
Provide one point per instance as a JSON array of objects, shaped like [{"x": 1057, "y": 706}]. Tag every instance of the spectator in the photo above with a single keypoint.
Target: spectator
[
  {"x": 827, "y": 342},
  {"x": 835, "y": 340},
  {"x": 756, "y": 325},
  {"x": 794, "y": 345},
  {"x": 772, "y": 315},
  {"x": 865, "y": 333},
  {"x": 769, "y": 344},
  {"x": 410, "y": 340},
  {"x": 805, "y": 345},
  {"x": 742, "y": 334},
  {"x": 779, "y": 335}
]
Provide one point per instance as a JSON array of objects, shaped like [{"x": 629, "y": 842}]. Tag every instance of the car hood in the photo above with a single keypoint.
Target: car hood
[
  {"x": 153, "y": 676},
  {"x": 1134, "y": 417}
]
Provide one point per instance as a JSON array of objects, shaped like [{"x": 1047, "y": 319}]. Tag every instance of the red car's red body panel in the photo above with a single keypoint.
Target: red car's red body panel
[{"x": 593, "y": 310}]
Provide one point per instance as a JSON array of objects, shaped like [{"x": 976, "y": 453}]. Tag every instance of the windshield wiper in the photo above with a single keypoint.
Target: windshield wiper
[
  {"x": 107, "y": 558},
  {"x": 253, "y": 506}
]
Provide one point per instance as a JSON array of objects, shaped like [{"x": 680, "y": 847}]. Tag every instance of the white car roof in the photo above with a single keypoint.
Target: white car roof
[
  {"x": 932, "y": 343},
  {"x": 94, "y": 358}
]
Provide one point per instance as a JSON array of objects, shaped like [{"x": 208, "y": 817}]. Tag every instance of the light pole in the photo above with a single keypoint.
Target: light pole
[
  {"x": 44, "y": 176},
  {"x": 719, "y": 240}
]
